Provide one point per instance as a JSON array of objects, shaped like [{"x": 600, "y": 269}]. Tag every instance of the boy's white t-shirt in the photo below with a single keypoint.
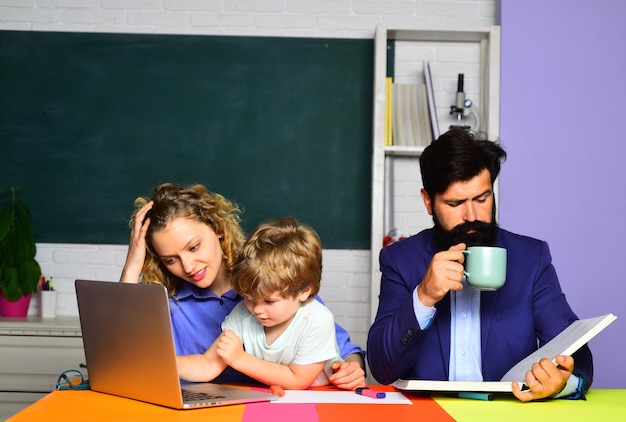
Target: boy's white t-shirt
[{"x": 309, "y": 338}]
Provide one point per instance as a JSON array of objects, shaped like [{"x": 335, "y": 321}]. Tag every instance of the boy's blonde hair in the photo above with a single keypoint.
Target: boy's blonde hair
[{"x": 281, "y": 256}]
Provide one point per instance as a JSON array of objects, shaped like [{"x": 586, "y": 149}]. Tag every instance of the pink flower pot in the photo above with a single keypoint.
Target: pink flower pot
[{"x": 17, "y": 309}]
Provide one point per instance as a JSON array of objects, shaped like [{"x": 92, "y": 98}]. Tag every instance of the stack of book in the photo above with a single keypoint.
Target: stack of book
[{"x": 411, "y": 119}]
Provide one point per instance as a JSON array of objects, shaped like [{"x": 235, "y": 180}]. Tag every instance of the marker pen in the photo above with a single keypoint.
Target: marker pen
[{"x": 370, "y": 393}]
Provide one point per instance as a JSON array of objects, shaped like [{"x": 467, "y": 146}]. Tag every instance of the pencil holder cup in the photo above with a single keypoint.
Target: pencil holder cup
[{"x": 47, "y": 303}]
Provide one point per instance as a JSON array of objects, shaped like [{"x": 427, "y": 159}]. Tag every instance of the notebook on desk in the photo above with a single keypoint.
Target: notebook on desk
[
  {"x": 565, "y": 343},
  {"x": 129, "y": 348}
]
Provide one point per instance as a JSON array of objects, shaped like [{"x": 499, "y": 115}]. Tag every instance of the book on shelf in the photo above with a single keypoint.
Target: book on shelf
[
  {"x": 566, "y": 343},
  {"x": 424, "y": 124},
  {"x": 388, "y": 111},
  {"x": 432, "y": 108},
  {"x": 410, "y": 124},
  {"x": 404, "y": 106}
]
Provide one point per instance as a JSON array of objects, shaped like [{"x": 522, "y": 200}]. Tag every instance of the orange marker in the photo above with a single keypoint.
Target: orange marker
[{"x": 278, "y": 390}]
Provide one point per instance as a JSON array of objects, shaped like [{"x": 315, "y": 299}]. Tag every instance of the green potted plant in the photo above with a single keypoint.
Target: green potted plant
[{"x": 19, "y": 271}]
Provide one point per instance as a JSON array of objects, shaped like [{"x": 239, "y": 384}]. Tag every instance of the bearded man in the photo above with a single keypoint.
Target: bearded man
[{"x": 431, "y": 325}]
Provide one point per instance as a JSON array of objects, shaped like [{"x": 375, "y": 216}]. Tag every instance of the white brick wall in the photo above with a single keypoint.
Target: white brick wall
[
  {"x": 345, "y": 284},
  {"x": 309, "y": 18}
]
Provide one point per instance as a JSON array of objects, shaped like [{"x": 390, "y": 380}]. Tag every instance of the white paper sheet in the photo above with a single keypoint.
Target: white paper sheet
[{"x": 307, "y": 396}]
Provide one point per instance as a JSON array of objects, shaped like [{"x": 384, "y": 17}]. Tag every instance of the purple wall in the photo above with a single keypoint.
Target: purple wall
[{"x": 563, "y": 106}]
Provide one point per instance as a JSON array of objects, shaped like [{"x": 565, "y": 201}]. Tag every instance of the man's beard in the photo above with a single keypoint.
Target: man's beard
[{"x": 484, "y": 234}]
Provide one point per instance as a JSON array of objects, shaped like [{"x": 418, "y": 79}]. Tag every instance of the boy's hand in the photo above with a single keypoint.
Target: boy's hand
[
  {"x": 229, "y": 347},
  {"x": 347, "y": 375}
]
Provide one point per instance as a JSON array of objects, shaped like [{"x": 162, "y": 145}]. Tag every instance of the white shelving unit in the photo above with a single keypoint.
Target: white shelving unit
[{"x": 488, "y": 42}]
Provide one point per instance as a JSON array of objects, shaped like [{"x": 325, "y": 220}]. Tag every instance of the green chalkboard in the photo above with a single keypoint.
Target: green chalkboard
[{"x": 282, "y": 126}]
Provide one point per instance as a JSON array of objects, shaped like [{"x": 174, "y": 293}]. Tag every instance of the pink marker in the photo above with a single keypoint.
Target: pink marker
[{"x": 370, "y": 393}]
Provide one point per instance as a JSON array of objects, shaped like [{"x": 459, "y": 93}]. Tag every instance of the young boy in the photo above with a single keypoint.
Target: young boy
[{"x": 278, "y": 335}]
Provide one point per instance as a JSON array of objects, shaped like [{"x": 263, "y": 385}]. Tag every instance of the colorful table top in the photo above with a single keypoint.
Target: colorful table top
[{"x": 69, "y": 405}]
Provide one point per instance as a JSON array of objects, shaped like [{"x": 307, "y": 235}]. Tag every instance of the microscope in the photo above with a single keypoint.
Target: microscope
[{"x": 461, "y": 107}]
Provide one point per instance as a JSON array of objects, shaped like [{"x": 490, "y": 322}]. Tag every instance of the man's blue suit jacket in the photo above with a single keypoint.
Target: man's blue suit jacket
[{"x": 529, "y": 310}]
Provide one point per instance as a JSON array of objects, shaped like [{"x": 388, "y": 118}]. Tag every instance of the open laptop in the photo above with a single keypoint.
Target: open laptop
[{"x": 129, "y": 348}]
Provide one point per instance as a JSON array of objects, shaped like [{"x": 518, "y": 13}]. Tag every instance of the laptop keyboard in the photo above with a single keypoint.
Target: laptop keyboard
[{"x": 198, "y": 396}]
